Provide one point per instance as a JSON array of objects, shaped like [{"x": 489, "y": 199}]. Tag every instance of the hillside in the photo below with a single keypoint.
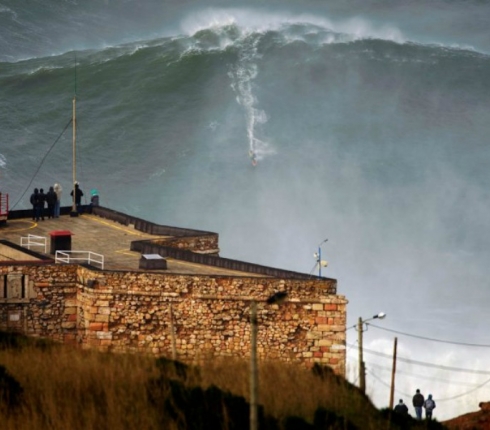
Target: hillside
[
  {"x": 479, "y": 420},
  {"x": 44, "y": 385}
]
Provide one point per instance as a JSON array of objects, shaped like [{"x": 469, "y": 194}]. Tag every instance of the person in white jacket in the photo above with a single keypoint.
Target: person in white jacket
[
  {"x": 429, "y": 406},
  {"x": 57, "y": 189}
]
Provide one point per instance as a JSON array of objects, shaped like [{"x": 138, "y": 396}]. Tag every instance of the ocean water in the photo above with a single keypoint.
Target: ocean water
[{"x": 370, "y": 122}]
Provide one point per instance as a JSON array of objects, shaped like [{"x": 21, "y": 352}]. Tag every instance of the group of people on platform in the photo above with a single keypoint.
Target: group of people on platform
[
  {"x": 418, "y": 402},
  {"x": 51, "y": 201}
]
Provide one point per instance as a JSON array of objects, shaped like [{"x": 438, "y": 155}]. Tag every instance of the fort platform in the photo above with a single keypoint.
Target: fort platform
[{"x": 113, "y": 239}]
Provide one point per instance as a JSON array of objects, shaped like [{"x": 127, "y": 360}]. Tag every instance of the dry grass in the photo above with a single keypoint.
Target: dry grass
[
  {"x": 72, "y": 389},
  {"x": 291, "y": 390},
  {"x": 68, "y": 389}
]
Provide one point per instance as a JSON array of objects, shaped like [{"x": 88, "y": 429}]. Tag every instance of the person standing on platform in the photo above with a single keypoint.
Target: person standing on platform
[
  {"x": 401, "y": 408},
  {"x": 35, "y": 204},
  {"x": 429, "y": 406},
  {"x": 94, "y": 200},
  {"x": 78, "y": 197},
  {"x": 51, "y": 200},
  {"x": 418, "y": 402},
  {"x": 42, "y": 200},
  {"x": 57, "y": 189}
]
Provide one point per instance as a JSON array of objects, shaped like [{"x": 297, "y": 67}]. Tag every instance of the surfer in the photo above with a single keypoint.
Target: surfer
[{"x": 253, "y": 157}]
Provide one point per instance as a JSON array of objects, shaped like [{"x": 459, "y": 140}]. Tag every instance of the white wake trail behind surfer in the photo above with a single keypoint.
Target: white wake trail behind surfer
[{"x": 242, "y": 75}]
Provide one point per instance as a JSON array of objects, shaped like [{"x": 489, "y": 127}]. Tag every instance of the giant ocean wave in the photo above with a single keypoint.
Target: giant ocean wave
[{"x": 367, "y": 132}]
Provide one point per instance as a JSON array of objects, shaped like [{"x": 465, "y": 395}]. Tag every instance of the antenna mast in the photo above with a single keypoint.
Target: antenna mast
[{"x": 74, "y": 211}]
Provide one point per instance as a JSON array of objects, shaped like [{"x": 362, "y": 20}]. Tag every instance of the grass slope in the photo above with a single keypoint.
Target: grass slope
[{"x": 44, "y": 385}]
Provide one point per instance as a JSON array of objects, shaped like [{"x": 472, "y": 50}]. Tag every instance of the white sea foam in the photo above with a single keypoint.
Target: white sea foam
[
  {"x": 260, "y": 21},
  {"x": 3, "y": 161}
]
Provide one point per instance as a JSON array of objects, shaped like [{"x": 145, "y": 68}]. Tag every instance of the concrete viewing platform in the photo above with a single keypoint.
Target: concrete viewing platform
[
  {"x": 101, "y": 236},
  {"x": 127, "y": 243}
]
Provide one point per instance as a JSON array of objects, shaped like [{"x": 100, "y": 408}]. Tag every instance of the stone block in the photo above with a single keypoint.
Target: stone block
[
  {"x": 70, "y": 311},
  {"x": 95, "y": 326},
  {"x": 104, "y": 310},
  {"x": 152, "y": 262},
  {"x": 68, "y": 325},
  {"x": 106, "y": 335}
]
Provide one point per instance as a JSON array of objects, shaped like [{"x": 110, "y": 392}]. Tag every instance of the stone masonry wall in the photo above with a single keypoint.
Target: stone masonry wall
[
  {"x": 200, "y": 244},
  {"x": 39, "y": 300},
  {"x": 210, "y": 315}
]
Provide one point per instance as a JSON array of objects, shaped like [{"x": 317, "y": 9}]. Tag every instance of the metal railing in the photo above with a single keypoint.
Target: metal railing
[
  {"x": 77, "y": 256},
  {"x": 33, "y": 240}
]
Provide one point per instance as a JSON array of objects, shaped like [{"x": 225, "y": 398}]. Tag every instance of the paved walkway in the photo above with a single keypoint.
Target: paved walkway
[{"x": 101, "y": 236}]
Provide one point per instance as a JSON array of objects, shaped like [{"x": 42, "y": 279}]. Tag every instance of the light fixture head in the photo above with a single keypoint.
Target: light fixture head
[{"x": 381, "y": 315}]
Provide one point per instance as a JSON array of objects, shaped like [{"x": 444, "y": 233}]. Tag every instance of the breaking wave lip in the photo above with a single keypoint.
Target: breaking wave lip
[
  {"x": 261, "y": 21},
  {"x": 232, "y": 26},
  {"x": 3, "y": 161},
  {"x": 326, "y": 30}
]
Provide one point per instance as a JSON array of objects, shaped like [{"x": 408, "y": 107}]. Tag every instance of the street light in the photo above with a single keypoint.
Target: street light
[
  {"x": 276, "y": 298},
  {"x": 360, "y": 329}
]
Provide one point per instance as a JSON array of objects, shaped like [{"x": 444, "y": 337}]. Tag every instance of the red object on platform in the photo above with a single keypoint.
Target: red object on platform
[{"x": 60, "y": 233}]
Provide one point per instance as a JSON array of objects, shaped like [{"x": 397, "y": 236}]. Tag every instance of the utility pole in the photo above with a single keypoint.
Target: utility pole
[
  {"x": 172, "y": 333},
  {"x": 362, "y": 367},
  {"x": 393, "y": 371},
  {"x": 362, "y": 373},
  {"x": 254, "y": 389}
]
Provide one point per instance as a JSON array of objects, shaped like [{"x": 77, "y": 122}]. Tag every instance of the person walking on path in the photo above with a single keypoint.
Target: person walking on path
[
  {"x": 418, "y": 402},
  {"x": 401, "y": 408},
  {"x": 429, "y": 406},
  {"x": 51, "y": 200},
  {"x": 57, "y": 189}
]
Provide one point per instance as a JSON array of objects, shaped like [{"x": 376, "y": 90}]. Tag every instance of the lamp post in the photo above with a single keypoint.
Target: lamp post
[
  {"x": 360, "y": 329},
  {"x": 318, "y": 256},
  {"x": 276, "y": 298}
]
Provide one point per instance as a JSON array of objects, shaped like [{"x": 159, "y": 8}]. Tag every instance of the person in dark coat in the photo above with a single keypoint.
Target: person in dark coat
[
  {"x": 418, "y": 402},
  {"x": 401, "y": 408},
  {"x": 78, "y": 197},
  {"x": 35, "y": 205},
  {"x": 51, "y": 198},
  {"x": 42, "y": 201}
]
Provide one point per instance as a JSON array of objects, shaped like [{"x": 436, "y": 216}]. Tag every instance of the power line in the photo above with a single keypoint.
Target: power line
[
  {"x": 445, "y": 399},
  {"x": 387, "y": 385},
  {"x": 431, "y": 339},
  {"x": 423, "y": 363},
  {"x": 466, "y": 393},
  {"x": 427, "y": 378},
  {"x": 40, "y": 165}
]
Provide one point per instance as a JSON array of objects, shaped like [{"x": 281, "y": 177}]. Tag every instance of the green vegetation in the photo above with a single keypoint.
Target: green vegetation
[{"x": 57, "y": 387}]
